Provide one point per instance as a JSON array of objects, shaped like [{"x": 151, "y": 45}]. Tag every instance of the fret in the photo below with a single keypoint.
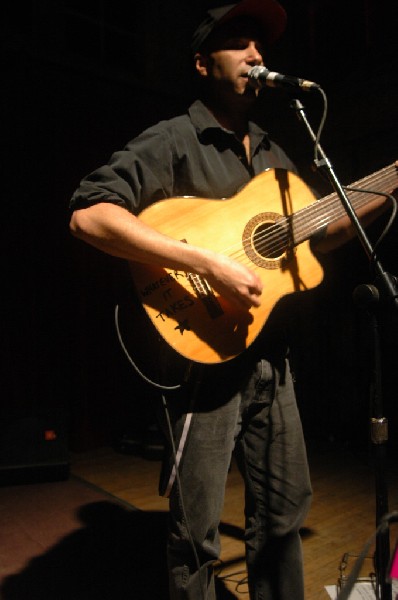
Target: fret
[{"x": 307, "y": 221}]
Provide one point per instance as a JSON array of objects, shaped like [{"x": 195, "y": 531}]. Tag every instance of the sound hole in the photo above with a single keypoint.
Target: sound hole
[
  {"x": 268, "y": 240},
  {"x": 265, "y": 240}
]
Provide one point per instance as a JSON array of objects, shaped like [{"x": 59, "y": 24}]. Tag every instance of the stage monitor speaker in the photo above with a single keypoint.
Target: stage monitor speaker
[{"x": 33, "y": 449}]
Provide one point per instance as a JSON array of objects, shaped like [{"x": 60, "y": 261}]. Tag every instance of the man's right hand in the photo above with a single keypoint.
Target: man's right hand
[{"x": 235, "y": 282}]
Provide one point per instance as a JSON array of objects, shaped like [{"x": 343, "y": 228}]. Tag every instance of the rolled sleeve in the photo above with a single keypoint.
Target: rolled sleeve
[{"x": 133, "y": 177}]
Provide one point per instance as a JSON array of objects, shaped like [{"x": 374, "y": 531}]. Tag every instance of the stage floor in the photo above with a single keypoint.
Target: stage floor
[{"x": 101, "y": 534}]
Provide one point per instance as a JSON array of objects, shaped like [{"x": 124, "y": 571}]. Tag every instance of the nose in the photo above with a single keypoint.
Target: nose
[{"x": 254, "y": 56}]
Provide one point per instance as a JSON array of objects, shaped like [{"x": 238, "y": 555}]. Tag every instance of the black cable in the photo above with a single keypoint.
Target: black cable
[
  {"x": 171, "y": 437},
  {"x": 318, "y": 149},
  {"x": 191, "y": 541},
  {"x": 134, "y": 365},
  {"x": 392, "y": 218},
  {"x": 353, "y": 576},
  {"x": 321, "y": 126}
]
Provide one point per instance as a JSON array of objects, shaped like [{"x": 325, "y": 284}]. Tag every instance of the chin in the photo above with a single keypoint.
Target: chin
[{"x": 250, "y": 95}]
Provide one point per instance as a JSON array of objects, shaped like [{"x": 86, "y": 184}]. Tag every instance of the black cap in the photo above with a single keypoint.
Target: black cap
[{"x": 270, "y": 16}]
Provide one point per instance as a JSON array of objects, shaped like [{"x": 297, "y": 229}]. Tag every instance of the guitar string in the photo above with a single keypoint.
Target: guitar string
[
  {"x": 279, "y": 243},
  {"x": 323, "y": 216},
  {"x": 300, "y": 218},
  {"x": 323, "y": 209}
]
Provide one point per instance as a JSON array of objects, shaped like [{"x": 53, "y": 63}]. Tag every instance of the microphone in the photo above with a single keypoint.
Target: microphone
[{"x": 260, "y": 77}]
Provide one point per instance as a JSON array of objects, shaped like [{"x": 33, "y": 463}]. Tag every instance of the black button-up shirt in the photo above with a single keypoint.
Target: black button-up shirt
[{"x": 189, "y": 155}]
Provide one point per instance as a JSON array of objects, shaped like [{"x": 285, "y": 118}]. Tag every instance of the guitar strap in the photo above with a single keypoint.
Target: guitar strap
[
  {"x": 177, "y": 460},
  {"x": 185, "y": 426}
]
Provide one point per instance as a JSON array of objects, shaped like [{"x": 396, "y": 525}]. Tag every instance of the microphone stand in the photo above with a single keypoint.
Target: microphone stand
[{"x": 385, "y": 284}]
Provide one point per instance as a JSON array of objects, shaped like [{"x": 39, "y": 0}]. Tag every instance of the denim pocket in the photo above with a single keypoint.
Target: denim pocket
[
  {"x": 259, "y": 387},
  {"x": 265, "y": 380}
]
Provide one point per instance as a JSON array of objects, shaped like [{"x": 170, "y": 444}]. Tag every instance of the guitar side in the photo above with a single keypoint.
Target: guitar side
[{"x": 193, "y": 319}]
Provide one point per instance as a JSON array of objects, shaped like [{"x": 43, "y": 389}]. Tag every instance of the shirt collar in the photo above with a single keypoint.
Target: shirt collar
[
  {"x": 202, "y": 118},
  {"x": 206, "y": 125}
]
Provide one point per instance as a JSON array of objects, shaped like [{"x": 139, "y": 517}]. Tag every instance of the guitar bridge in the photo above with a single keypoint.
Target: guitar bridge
[{"x": 205, "y": 294}]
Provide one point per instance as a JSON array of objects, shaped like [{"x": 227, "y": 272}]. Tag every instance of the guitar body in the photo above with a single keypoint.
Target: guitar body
[{"x": 191, "y": 317}]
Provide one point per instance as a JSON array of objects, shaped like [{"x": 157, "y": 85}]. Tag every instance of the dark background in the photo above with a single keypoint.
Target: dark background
[{"x": 82, "y": 78}]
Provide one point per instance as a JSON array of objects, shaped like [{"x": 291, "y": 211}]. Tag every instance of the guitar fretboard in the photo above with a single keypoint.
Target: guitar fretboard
[{"x": 314, "y": 217}]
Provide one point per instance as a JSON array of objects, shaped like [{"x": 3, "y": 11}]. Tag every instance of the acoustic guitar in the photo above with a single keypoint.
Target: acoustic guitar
[{"x": 267, "y": 226}]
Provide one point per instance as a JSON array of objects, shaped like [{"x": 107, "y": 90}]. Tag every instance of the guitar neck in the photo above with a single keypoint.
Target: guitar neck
[{"x": 311, "y": 219}]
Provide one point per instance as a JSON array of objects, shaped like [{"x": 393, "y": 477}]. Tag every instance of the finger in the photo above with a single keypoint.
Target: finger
[{"x": 256, "y": 300}]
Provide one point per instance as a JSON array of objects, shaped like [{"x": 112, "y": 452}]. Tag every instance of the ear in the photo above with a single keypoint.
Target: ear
[{"x": 201, "y": 64}]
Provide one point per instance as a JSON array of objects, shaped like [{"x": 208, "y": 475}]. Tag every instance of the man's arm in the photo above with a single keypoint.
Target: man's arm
[
  {"x": 338, "y": 233},
  {"x": 116, "y": 231}
]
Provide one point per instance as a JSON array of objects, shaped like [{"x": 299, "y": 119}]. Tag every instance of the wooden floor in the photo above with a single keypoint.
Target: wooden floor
[{"x": 341, "y": 519}]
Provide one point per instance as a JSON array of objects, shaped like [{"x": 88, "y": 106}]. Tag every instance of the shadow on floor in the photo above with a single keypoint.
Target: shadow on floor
[{"x": 116, "y": 553}]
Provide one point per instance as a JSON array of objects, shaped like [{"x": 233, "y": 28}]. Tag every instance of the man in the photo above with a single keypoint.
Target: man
[{"x": 246, "y": 405}]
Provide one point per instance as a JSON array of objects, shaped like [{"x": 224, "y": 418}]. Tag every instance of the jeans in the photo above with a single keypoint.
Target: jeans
[{"x": 261, "y": 424}]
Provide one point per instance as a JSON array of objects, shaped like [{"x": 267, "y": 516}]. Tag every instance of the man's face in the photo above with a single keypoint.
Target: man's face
[{"x": 229, "y": 57}]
